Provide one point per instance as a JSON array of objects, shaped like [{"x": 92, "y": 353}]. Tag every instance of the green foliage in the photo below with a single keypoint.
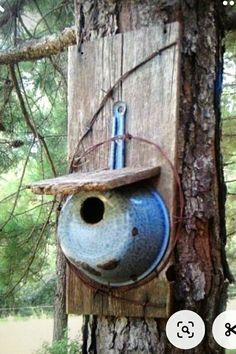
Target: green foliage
[
  {"x": 228, "y": 108},
  {"x": 63, "y": 346},
  {"x": 27, "y": 222},
  {"x": 30, "y": 19}
]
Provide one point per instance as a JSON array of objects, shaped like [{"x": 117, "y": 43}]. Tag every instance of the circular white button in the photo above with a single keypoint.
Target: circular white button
[
  {"x": 185, "y": 329},
  {"x": 224, "y": 329}
]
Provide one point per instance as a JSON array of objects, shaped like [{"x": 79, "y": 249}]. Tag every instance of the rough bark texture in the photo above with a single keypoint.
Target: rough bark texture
[
  {"x": 99, "y": 23},
  {"x": 201, "y": 270},
  {"x": 60, "y": 316},
  {"x": 38, "y": 49}
]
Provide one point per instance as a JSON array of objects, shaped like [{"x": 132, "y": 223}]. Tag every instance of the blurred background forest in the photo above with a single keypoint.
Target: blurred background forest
[
  {"x": 33, "y": 146},
  {"x": 228, "y": 145}
]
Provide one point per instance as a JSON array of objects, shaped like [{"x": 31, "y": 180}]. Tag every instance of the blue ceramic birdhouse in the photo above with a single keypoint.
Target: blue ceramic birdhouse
[{"x": 115, "y": 237}]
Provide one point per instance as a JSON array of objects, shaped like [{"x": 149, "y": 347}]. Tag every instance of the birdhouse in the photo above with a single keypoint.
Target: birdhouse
[
  {"x": 115, "y": 237},
  {"x": 116, "y": 227}
]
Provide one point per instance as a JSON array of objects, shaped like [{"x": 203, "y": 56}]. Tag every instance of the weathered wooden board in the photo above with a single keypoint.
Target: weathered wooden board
[
  {"x": 151, "y": 94},
  {"x": 157, "y": 293},
  {"x": 93, "y": 181}
]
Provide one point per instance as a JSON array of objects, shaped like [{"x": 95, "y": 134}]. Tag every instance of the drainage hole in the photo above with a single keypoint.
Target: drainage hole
[{"x": 92, "y": 210}]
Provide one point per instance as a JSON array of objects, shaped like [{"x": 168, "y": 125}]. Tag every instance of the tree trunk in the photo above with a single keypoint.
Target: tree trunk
[
  {"x": 200, "y": 266},
  {"x": 60, "y": 316}
]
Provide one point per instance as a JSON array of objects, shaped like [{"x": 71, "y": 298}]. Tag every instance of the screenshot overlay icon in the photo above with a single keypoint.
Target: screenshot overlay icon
[
  {"x": 224, "y": 329},
  {"x": 185, "y": 329}
]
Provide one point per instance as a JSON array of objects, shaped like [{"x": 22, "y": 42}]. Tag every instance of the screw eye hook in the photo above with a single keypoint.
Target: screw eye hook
[
  {"x": 120, "y": 108},
  {"x": 117, "y": 152}
]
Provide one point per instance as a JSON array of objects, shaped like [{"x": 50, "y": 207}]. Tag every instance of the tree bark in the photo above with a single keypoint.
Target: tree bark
[
  {"x": 200, "y": 265},
  {"x": 37, "y": 49},
  {"x": 60, "y": 316}
]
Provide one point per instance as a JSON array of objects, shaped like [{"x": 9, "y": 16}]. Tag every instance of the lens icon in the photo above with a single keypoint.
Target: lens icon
[{"x": 185, "y": 329}]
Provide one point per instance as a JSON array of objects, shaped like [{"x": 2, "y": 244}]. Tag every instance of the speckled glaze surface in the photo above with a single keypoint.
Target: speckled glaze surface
[{"x": 125, "y": 245}]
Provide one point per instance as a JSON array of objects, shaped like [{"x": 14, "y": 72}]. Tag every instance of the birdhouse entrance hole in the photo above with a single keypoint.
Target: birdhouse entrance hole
[
  {"x": 151, "y": 92},
  {"x": 92, "y": 210}
]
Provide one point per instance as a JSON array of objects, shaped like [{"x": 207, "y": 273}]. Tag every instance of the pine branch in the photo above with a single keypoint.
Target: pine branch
[
  {"x": 35, "y": 250},
  {"x": 43, "y": 16},
  {"x": 57, "y": 67},
  {"x": 9, "y": 196},
  {"x": 10, "y": 10},
  {"x": 18, "y": 189},
  {"x": 37, "y": 49},
  {"x": 33, "y": 208},
  {"x": 231, "y": 181},
  {"x": 27, "y": 118}
]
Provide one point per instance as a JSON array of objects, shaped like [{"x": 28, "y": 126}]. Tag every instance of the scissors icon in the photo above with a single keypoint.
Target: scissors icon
[{"x": 230, "y": 329}]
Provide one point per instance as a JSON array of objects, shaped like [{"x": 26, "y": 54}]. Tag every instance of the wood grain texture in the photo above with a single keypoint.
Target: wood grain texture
[
  {"x": 152, "y": 110},
  {"x": 93, "y": 181},
  {"x": 156, "y": 292},
  {"x": 200, "y": 267},
  {"x": 151, "y": 94}
]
